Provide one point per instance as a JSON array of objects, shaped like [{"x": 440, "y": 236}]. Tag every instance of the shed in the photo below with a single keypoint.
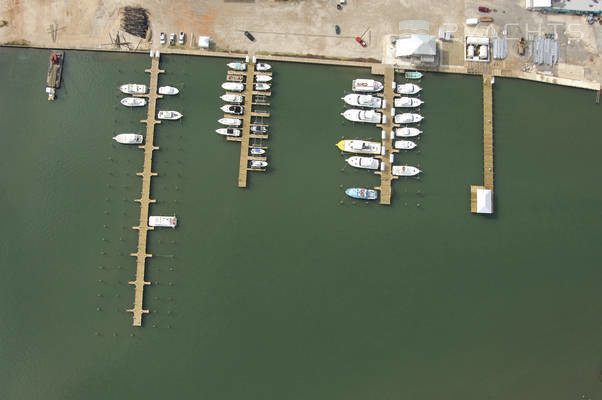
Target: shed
[
  {"x": 416, "y": 45},
  {"x": 204, "y": 42}
]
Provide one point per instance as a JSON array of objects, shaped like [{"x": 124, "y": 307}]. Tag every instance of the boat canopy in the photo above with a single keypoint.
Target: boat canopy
[{"x": 484, "y": 203}]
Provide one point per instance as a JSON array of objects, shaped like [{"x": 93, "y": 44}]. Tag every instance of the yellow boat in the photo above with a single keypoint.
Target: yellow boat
[{"x": 359, "y": 146}]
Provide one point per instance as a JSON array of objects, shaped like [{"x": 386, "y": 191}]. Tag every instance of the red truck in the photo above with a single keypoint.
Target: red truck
[
  {"x": 360, "y": 41},
  {"x": 484, "y": 9}
]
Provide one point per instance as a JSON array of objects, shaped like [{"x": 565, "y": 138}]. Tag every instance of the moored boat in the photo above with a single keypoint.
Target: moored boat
[
  {"x": 237, "y": 66},
  {"x": 404, "y": 144},
  {"x": 133, "y": 101},
  {"x": 363, "y": 162},
  {"x": 257, "y": 152},
  {"x": 261, "y": 86},
  {"x": 413, "y": 75},
  {"x": 405, "y": 170},
  {"x": 408, "y": 102},
  {"x": 408, "y": 118},
  {"x": 262, "y": 78},
  {"x": 366, "y": 85},
  {"x": 368, "y": 116},
  {"x": 230, "y": 121},
  {"x": 238, "y": 110},
  {"x": 259, "y": 129},
  {"x": 407, "y": 132},
  {"x": 165, "y": 222},
  {"x": 362, "y": 193},
  {"x": 133, "y": 88},
  {"x": 233, "y": 86},
  {"x": 168, "y": 90},
  {"x": 171, "y": 115},
  {"x": 128, "y": 138},
  {"x": 229, "y": 131},
  {"x": 258, "y": 164},
  {"x": 359, "y": 146},
  {"x": 233, "y": 98},
  {"x": 262, "y": 66},
  {"x": 364, "y": 100},
  {"x": 408, "y": 88}
]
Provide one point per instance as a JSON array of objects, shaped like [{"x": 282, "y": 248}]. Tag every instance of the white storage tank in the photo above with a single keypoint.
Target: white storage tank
[
  {"x": 470, "y": 51},
  {"x": 483, "y": 52}
]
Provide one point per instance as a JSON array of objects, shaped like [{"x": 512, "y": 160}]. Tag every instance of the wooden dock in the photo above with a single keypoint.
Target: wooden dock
[
  {"x": 145, "y": 200},
  {"x": 488, "y": 170},
  {"x": 246, "y": 134},
  {"x": 386, "y": 175}
]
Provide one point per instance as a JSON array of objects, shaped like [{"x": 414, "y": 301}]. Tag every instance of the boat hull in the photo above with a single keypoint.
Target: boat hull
[
  {"x": 362, "y": 194},
  {"x": 363, "y": 162},
  {"x": 363, "y": 100},
  {"x": 407, "y": 132},
  {"x": 404, "y": 144},
  {"x": 359, "y": 146},
  {"x": 237, "y": 66},
  {"x": 169, "y": 115},
  {"x": 168, "y": 90},
  {"x": 408, "y": 88},
  {"x": 405, "y": 170},
  {"x": 233, "y": 86},
  {"x": 366, "y": 85},
  {"x": 232, "y": 98},
  {"x": 133, "y": 88},
  {"x": 228, "y": 131},
  {"x": 129, "y": 138},
  {"x": 133, "y": 102},
  {"x": 230, "y": 121},
  {"x": 262, "y": 78},
  {"x": 262, "y": 67},
  {"x": 408, "y": 118},
  {"x": 408, "y": 102},
  {"x": 369, "y": 116}
]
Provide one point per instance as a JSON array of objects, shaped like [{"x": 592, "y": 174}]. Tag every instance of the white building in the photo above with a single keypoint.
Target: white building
[
  {"x": 530, "y": 4},
  {"x": 476, "y": 48},
  {"x": 417, "y": 46}
]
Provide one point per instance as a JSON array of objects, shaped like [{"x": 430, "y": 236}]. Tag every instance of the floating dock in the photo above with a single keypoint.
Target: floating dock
[
  {"x": 246, "y": 134},
  {"x": 488, "y": 170},
  {"x": 145, "y": 200}
]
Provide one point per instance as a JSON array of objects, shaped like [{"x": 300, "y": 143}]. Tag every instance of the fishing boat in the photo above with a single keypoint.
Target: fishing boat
[
  {"x": 262, "y": 66},
  {"x": 233, "y": 98},
  {"x": 408, "y": 102},
  {"x": 168, "y": 90},
  {"x": 238, "y": 110},
  {"x": 369, "y": 116},
  {"x": 364, "y": 100},
  {"x": 366, "y": 85},
  {"x": 233, "y": 86},
  {"x": 259, "y": 129},
  {"x": 404, "y": 144},
  {"x": 164, "y": 222},
  {"x": 413, "y": 75},
  {"x": 257, "y": 152},
  {"x": 408, "y": 118},
  {"x": 361, "y": 193},
  {"x": 229, "y": 131},
  {"x": 407, "y": 132},
  {"x": 363, "y": 162},
  {"x": 128, "y": 138},
  {"x": 133, "y": 88},
  {"x": 262, "y": 78},
  {"x": 405, "y": 170},
  {"x": 230, "y": 121},
  {"x": 359, "y": 146},
  {"x": 258, "y": 164},
  {"x": 133, "y": 101},
  {"x": 171, "y": 115},
  {"x": 408, "y": 88},
  {"x": 237, "y": 66},
  {"x": 261, "y": 86}
]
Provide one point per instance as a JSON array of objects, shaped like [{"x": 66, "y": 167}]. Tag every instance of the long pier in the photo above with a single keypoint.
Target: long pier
[
  {"x": 386, "y": 173},
  {"x": 488, "y": 171},
  {"x": 145, "y": 200},
  {"x": 246, "y": 134}
]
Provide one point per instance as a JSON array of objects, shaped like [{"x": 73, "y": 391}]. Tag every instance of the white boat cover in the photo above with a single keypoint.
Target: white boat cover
[{"x": 484, "y": 203}]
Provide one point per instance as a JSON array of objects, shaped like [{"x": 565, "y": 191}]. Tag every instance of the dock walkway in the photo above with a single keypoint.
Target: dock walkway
[
  {"x": 488, "y": 170},
  {"x": 145, "y": 200}
]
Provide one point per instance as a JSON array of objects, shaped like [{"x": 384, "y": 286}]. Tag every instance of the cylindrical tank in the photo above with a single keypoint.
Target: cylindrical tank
[{"x": 470, "y": 51}]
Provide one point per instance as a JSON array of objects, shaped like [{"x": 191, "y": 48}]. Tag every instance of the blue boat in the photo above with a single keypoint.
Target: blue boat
[
  {"x": 413, "y": 75},
  {"x": 361, "y": 193}
]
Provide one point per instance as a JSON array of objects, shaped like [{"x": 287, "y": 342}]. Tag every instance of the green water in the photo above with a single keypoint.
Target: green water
[{"x": 279, "y": 291}]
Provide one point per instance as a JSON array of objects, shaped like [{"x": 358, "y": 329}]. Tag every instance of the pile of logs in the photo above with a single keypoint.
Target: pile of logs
[{"x": 135, "y": 21}]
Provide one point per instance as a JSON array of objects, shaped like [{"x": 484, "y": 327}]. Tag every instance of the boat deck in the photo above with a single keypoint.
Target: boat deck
[
  {"x": 145, "y": 200},
  {"x": 386, "y": 176}
]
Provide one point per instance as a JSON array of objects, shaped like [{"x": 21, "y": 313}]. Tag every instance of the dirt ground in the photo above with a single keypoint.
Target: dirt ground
[{"x": 302, "y": 27}]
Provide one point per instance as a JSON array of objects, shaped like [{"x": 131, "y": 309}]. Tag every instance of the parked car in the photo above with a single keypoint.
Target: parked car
[
  {"x": 337, "y": 29},
  {"x": 486, "y": 19},
  {"x": 172, "y": 39},
  {"x": 181, "y": 38},
  {"x": 360, "y": 41},
  {"x": 484, "y": 9},
  {"x": 251, "y": 37},
  {"x": 162, "y": 38}
]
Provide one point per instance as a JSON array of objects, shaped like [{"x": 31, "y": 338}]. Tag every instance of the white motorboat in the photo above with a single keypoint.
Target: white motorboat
[
  {"x": 233, "y": 86},
  {"x": 364, "y": 100},
  {"x": 164, "y": 222},
  {"x": 262, "y": 78},
  {"x": 171, "y": 115},
  {"x": 408, "y": 88},
  {"x": 230, "y": 121},
  {"x": 262, "y": 86},
  {"x": 228, "y": 108},
  {"x": 262, "y": 66},
  {"x": 233, "y": 98},
  {"x": 408, "y": 118},
  {"x": 128, "y": 138},
  {"x": 359, "y": 146},
  {"x": 407, "y": 132},
  {"x": 229, "y": 131},
  {"x": 404, "y": 144},
  {"x": 369, "y": 116},
  {"x": 257, "y": 152},
  {"x": 408, "y": 102},
  {"x": 405, "y": 170},
  {"x": 237, "y": 66},
  {"x": 133, "y": 101},
  {"x": 258, "y": 164},
  {"x": 363, "y": 162},
  {"x": 259, "y": 129},
  {"x": 366, "y": 85},
  {"x": 133, "y": 88},
  {"x": 168, "y": 90}
]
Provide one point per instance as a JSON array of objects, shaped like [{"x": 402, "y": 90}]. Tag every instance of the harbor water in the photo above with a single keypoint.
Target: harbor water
[{"x": 289, "y": 289}]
